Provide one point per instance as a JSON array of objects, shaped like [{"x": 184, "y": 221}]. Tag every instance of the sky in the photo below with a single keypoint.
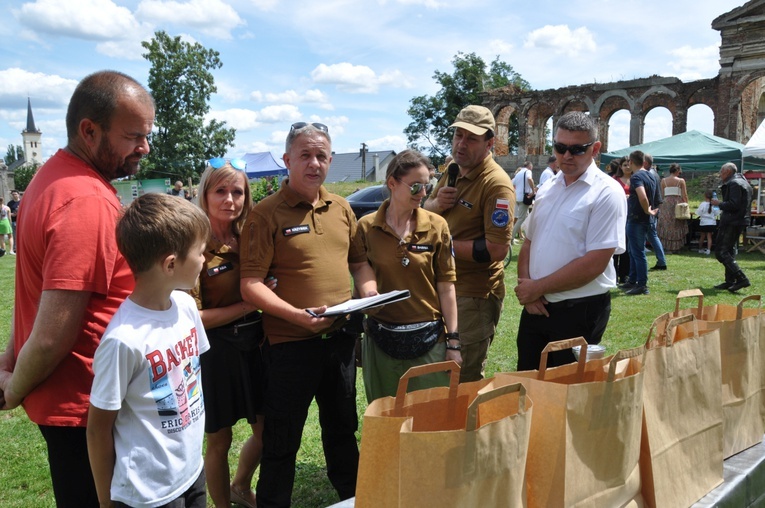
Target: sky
[{"x": 353, "y": 65}]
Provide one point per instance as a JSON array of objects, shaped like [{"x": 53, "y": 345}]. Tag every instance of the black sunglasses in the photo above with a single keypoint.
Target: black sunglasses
[
  {"x": 416, "y": 187},
  {"x": 299, "y": 125},
  {"x": 573, "y": 149}
]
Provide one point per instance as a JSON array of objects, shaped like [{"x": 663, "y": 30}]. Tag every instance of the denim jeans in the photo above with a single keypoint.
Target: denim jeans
[
  {"x": 637, "y": 233},
  {"x": 658, "y": 248}
]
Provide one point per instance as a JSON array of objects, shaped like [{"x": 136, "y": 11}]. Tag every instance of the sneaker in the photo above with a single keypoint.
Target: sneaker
[
  {"x": 658, "y": 267},
  {"x": 724, "y": 285},
  {"x": 739, "y": 284},
  {"x": 707, "y": 252},
  {"x": 702, "y": 251},
  {"x": 12, "y": 253},
  {"x": 637, "y": 290},
  {"x": 627, "y": 285}
]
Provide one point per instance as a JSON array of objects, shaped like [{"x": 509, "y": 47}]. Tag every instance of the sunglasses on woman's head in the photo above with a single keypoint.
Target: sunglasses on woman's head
[{"x": 219, "y": 162}]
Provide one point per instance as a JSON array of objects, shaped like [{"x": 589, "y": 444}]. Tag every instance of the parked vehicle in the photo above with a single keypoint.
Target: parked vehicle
[{"x": 367, "y": 200}]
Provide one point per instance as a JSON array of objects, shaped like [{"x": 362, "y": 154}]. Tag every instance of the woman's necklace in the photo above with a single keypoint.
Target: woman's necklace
[
  {"x": 402, "y": 234},
  {"x": 226, "y": 243}
]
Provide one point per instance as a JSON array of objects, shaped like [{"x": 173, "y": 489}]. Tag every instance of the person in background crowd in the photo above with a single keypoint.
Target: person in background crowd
[
  {"x": 178, "y": 190},
  {"x": 736, "y": 212},
  {"x": 672, "y": 232},
  {"x": 652, "y": 235},
  {"x": 565, "y": 271},
  {"x": 523, "y": 182},
  {"x": 232, "y": 370},
  {"x": 13, "y": 204},
  {"x": 622, "y": 177},
  {"x": 408, "y": 248},
  {"x": 70, "y": 276},
  {"x": 5, "y": 228},
  {"x": 550, "y": 171},
  {"x": 303, "y": 235},
  {"x": 477, "y": 210},
  {"x": 707, "y": 222},
  {"x": 642, "y": 208}
]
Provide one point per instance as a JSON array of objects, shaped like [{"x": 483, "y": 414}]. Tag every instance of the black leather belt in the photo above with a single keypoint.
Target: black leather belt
[{"x": 576, "y": 301}]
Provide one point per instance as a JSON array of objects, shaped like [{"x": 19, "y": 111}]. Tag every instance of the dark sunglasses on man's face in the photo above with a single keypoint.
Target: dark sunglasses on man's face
[
  {"x": 572, "y": 149},
  {"x": 299, "y": 125}
]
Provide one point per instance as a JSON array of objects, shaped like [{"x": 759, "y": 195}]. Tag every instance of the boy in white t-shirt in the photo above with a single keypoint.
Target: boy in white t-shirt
[{"x": 146, "y": 420}]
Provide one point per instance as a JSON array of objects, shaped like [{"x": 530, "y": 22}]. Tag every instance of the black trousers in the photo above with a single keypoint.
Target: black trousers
[
  {"x": 580, "y": 317},
  {"x": 725, "y": 250},
  {"x": 73, "y": 485},
  {"x": 296, "y": 372}
]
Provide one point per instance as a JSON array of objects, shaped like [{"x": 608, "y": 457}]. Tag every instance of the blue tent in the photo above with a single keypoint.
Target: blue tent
[{"x": 263, "y": 164}]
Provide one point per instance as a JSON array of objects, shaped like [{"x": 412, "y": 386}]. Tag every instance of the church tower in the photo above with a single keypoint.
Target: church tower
[{"x": 31, "y": 136}]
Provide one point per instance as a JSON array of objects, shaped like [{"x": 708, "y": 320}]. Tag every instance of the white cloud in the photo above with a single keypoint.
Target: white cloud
[
  {"x": 211, "y": 17},
  {"x": 247, "y": 119},
  {"x": 695, "y": 63},
  {"x": 45, "y": 89},
  {"x": 313, "y": 96},
  {"x": 357, "y": 78},
  {"x": 83, "y": 19},
  {"x": 396, "y": 143},
  {"x": 499, "y": 47},
  {"x": 561, "y": 39}
]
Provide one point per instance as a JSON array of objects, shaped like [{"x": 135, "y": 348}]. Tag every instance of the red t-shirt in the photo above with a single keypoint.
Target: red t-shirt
[{"x": 69, "y": 214}]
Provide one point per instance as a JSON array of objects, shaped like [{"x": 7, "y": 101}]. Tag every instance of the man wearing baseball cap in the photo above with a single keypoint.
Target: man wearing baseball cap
[{"x": 478, "y": 206}]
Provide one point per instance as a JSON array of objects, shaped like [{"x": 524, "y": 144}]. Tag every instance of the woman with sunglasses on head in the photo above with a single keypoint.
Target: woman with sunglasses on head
[
  {"x": 410, "y": 248},
  {"x": 232, "y": 369}
]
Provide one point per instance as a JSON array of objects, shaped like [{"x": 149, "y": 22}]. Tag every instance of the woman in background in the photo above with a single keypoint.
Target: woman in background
[
  {"x": 232, "y": 380},
  {"x": 409, "y": 248},
  {"x": 672, "y": 232},
  {"x": 622, "y": 176}
]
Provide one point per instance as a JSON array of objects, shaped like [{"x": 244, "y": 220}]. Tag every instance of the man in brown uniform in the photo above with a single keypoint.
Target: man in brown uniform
[
  {"x": 303, "y": 235},
  {"x": 478, "y": 209}
]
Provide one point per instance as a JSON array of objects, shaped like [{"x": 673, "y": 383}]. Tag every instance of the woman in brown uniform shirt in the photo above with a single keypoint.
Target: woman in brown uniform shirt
[
  {"x": 232, "y": 381},
  {"x": 409, "y": 248}
]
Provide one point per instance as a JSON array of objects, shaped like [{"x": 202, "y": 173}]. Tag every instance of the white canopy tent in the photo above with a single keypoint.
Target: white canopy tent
[{"x": 756, "y": 146}]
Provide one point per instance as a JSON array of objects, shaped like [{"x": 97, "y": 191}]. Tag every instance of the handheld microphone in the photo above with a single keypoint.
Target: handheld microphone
[{"x": 453, "y": 171}]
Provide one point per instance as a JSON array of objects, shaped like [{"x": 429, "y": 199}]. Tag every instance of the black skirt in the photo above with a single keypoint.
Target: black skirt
[{"x": 232, "y": 379}]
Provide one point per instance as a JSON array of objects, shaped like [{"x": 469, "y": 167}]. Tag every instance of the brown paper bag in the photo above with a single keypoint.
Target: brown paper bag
[
  {"x": 682, "y": 415},
  {"x": 459, "y": 446},
  {"x": 585, "y": 435},
  {"x": 740, "y": 356}
]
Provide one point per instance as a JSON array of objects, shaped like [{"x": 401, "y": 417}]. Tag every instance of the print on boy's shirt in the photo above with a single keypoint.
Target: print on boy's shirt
[{"x": 174, "y": 378}]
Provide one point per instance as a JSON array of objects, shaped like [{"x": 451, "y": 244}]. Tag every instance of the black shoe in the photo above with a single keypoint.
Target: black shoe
[
  {"x": 637, "y": 290},
  {"x": 739, "y": 284},
  {"x": 627, "y": 285},
  {"x": 724, "y": 285},
  {"x": 658, "y": 267}
]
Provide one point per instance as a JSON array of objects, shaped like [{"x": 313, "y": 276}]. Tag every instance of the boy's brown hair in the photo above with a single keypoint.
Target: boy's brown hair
[{"x": 155, "y": 226}]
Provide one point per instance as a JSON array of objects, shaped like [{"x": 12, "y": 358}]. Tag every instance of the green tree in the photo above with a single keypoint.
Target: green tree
[
  {"x": 23, "y": 175},
  {"x": 432, "y": 115},
  {"x": 13, "y": 154},
  {"x": 181, "y": 83}
]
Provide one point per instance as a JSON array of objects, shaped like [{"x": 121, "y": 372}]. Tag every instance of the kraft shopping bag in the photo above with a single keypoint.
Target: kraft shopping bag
[
  {"x": 585, "y": 435},
  {"x": 682, "y": 414},
  {"x": 741, "y": 362},
  {"x": 460, "y": 446}
]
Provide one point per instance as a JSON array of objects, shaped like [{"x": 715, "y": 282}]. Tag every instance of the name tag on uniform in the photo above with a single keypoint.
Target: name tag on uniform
[
  {"x": 466, "y": 204},
  {"x": 416, "y": 247},
  {"x": 296, "y": 230},
  {"x": 217, "y": 270}
]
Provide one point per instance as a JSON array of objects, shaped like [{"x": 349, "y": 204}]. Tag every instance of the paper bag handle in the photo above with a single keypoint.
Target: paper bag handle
[
  {"x": 472, "y": 412},
  {"x": 690, "y": 293},
  {"x": 675, "y": 322},
  {"x": 740, "y": 306},
  {"x": 623, "y": 354},
  {"x": 560, "y": 345},
  {"x": 420, "y": 370},
  {"x": 663, "y": 317}
]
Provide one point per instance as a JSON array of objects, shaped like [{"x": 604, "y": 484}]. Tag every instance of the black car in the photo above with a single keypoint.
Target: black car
[{"x": 367, "y": 200}]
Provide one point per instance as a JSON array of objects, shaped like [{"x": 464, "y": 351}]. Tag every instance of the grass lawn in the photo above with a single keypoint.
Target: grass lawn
[{"x": 24, "y": 479}]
